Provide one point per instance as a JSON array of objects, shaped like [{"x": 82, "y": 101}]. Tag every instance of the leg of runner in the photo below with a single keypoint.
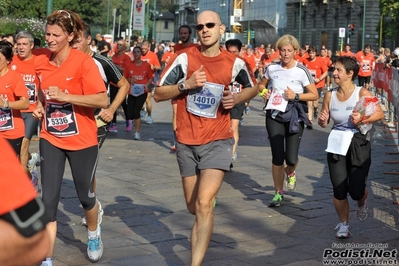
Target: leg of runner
[{"x": 200, "y": 192}]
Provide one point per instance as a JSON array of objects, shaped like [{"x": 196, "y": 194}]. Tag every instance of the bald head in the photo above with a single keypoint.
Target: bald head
[{"x": 212, "y": 16}]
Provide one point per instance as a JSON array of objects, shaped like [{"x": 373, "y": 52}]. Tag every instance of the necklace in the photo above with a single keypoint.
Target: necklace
[{"x": 58, "y": 62}]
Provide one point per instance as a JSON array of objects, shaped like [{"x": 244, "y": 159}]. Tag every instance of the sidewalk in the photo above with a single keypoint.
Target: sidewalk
[{"x": 146, "y": 221}]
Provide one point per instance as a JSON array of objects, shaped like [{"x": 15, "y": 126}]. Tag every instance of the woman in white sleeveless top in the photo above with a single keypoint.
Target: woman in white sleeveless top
[{"x": 348, "y": 164}]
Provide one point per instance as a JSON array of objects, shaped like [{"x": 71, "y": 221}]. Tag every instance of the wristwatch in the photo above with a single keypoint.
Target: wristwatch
[
  {"x": 296, "y": 97},
  {"x": 182, "y": 87}
]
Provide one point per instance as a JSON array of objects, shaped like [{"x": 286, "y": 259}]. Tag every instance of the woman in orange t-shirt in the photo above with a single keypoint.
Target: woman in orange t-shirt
[
  {"x": 139, "y": 74},
  {"x": 13, "y": 98},
  {"x": 71, "y": 89}
]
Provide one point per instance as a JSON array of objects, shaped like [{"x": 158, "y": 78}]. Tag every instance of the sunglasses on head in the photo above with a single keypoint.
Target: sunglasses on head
[{"x": 209, "y": 25}]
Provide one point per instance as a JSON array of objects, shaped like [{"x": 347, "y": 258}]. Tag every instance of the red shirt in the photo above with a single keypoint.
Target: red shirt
[
  {"x": 121, "y": 60},
  {"x": 12, "y": 87},
  {"x": 142, "y": 73},
  {"x": 65, "y": 125},
  {"x": 27, "y": 70},
  {"x": 180, "y": 46},
  {"x": 366, "y": 63},
  {"x": 151, "y": 58},
  {"x": 343, "y": 53},
  {"x": 193, "y": 129},
  {"x": 316, "y": 69},
  {"x": 16, "y": 188}
]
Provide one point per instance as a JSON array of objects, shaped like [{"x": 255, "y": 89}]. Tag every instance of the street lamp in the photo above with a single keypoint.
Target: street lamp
[
  {"x": 249, "y": 21},
  {"x": 175, "y": 37},
  {"x": 364, "y": 22},
  {"x": 195, "y": 20}
]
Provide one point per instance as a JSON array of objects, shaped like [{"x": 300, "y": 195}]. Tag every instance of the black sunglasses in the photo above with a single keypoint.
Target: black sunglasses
[{"x": 209, "y": 25}]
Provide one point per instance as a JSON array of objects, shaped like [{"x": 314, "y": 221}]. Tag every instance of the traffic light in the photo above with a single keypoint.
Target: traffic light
[{"x": 351, "y": 29}]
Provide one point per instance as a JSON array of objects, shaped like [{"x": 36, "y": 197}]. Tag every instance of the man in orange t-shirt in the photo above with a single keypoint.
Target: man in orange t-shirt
[
  {"x": 23, "y": 63},
  {"x": 366, "y": 61},
  {"x": 301, "y": 55},
  {"x": 152, "y": 59},
  {"x": 204, "y": 138},
  {"x": 319, "y": 71},
  {"x": 347, "y": 51},
  {"x": 168, "y": 54}
]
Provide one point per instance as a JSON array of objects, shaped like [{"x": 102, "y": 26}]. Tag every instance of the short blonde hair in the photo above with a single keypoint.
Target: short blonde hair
[{"x": 287, "y": 40}]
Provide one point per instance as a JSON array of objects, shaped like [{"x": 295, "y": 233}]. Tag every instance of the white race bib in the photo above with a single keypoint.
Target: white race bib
[
  {"x": 206, "y": 100},
  {"x": 277, "y": 100},
  {"x": 339, "y": 142}
]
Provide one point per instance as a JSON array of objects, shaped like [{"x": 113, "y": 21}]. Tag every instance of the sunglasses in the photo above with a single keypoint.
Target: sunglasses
[
  {"x": 209, "y": 25},
  {"x": 67, "y": 14}
]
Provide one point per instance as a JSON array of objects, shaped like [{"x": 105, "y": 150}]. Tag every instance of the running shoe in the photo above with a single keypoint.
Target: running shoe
[
  {"x": 34, "y": 161},
  {"x": 240, "y": 122},
  {"x": 363, "y": 212},
  {"x": 100, "y": 215},
  {"x": 316, "y": 114},
  {"x": 46, "y": 263},
  {"x": 291, "y": 181},
  {"x": 128, "y": 125},
  {"x": 113, "y": 128},
  {"x": 137, "y": 136},
  {"x": 149, "y": 120},
  {"x": 247, "y": 110},
  {"x": 343, "y": 230},
  {"x": 277, "y": 200},
  {"x": 234, "y": 158},
  {"x": 95, "y": 247}
]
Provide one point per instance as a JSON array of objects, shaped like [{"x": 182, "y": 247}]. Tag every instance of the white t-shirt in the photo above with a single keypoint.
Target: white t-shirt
[{"x": 296, "y": 77}]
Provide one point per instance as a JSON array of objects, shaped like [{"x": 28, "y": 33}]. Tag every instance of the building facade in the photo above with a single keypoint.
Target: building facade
[{"x": 318, "y": 22}]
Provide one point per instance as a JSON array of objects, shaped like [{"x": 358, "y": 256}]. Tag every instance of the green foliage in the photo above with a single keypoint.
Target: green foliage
[
  {"x": 11, "y": 25},
  {"x": 390, "y": 12}
]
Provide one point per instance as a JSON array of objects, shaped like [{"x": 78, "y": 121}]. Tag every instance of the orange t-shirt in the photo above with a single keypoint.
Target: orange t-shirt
[
  {"x": 194, "y": 129},
  {"x": 180, "y": 46},
  {"x": 266, "y": 61},
  {"x": 141, "y": 73},
  {"x": 65, "y": 125},
  {"x": 326, "y": 60},
  {"x": 251, "y": 60},
  {"x": 12, "y": 87},
  {"x": 316, "y": 69},
  {"x": 17, "y": 190},
  {"x": 343, "y": 53},
  {"x": 27, "y": 70},
  {"x": 121, "y": 61},
  {"x": 167, "y": 55},
  {"x": 301, "y": 58},
  {"x": 367, "y": 63},
  {"x": 151, "y": 58}
]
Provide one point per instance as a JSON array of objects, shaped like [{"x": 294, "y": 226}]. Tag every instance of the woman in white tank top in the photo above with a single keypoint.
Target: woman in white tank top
[{"x": 348, "y": 165}]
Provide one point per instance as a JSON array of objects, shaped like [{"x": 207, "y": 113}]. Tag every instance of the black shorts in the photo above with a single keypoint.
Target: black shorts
[
  {"x": 363, "y": 80},
  {"x": 30, "y": 124},
  {"x": 237, "y": 111}
]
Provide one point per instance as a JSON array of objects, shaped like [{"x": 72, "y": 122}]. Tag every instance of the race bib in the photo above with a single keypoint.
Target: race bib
[
  {"x": 60, "y": 119},
  {"x": 235, "y": 87},
  {"x": 31, "y": 88},
  {"x": 366, "y": 66},
  {"x": 6, "y": 119},
  {"x": 277, "y": 101},
  {"x": 137, "y": 89},
  {"x": 339, "y": 142},
  {"x": 206, "y": 100}
]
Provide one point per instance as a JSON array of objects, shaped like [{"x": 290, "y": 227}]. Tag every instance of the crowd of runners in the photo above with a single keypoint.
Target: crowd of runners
[{"x": 74, "y": 87}]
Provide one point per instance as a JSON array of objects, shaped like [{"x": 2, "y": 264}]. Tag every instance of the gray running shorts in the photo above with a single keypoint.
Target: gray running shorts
[{"x": 213, "y": 155}]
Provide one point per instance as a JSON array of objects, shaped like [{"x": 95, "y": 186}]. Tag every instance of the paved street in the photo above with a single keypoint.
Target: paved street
[{"x": 146, "y": 221}]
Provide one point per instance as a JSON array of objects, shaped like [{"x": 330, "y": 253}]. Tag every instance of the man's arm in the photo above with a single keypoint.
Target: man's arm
[
  {"x": 123, "y": 89},
  {"x": 18, "y": 250}
]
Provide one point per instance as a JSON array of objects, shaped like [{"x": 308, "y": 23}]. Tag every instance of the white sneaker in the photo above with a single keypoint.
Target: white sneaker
[
  {"x": 34, "y": 161},
  {"x": 142, "y": 114},
  {"x": 100, "y": 215},
  {"x": 137, "y": 136},
  {"x": 95, "y": 247},
  {"x": 343, "y": 230},
  {"x": 149, "y": 120}
]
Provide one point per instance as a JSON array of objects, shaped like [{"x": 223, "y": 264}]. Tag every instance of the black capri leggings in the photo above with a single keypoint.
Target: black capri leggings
[
  {"x": 347, "y": 178},
  {"x": 113, "y": 90},
  {"x": 278, "y": 134},
  {"x": 134, "y": 105},
  {"x": 83, "y": 166}
]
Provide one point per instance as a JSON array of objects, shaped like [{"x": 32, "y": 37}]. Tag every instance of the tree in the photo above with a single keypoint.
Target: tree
[{"x": 390, "y": 10}]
